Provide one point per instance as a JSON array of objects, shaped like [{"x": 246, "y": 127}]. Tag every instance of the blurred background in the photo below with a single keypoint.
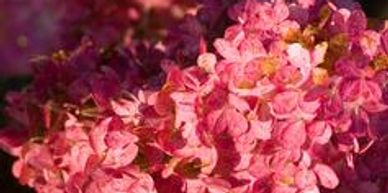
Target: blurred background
[{"x": 30, "y": 28}]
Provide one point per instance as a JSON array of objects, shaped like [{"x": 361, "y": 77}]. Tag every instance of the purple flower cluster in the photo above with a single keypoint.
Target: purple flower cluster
[{"x": 38, "y": 27}]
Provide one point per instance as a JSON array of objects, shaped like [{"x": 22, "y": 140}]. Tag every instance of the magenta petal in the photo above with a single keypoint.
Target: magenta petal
[
  {"x": 384, "y": 41},
  {"x": 357, "y": 22},
  {"x": 11, "y": 140}
]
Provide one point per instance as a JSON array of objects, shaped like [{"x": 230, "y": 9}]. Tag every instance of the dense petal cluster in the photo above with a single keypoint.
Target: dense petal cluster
[{"x": 292, "y": 98}]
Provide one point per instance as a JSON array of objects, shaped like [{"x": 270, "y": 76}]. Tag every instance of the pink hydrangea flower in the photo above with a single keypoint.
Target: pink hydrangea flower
[{"x": 278, "y": 104}]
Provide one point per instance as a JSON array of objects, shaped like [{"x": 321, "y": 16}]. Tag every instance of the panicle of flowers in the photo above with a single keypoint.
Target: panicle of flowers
[
  {"x": 291, "y": 99},
  {"x": 75, "y": 127}
]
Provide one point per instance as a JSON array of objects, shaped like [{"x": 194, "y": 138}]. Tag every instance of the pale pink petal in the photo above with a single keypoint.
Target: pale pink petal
[
  {"x": 227, "y": 50},
  {"x": 293, "y": 135},
  {"x": 327, "y": 177}
]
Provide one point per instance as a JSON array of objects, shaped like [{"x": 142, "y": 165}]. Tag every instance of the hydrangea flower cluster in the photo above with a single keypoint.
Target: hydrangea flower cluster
[{"x": 292, "y": 98}]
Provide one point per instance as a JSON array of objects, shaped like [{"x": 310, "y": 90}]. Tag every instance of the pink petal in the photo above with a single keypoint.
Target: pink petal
[
  {"x": 305, "y": 179},
  {"x": 326, "y": 176},
  {"x": 227, "y": 50},
  {"x": 261, "y": 129},
  {"x": 251, "y": 48},
  {"x": 284, "y": 103},
  {"x": 357, "y": 22},
  {"x": 237, "y": 123},
  {"x": 120, "y": 157},
  {"x": 208, "y": 158},
  {"x": 284, "y": 189},
  {"x": 370, "y": 42},
  {"x": 313, "y": 189},
  {"x": 319, "y": 132},
  {"x": 281, "y": 11},
  {"x": 97, "y": 136},
  {"x": 239, "y": 103},
  {"x": 293, "y": 135}
]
